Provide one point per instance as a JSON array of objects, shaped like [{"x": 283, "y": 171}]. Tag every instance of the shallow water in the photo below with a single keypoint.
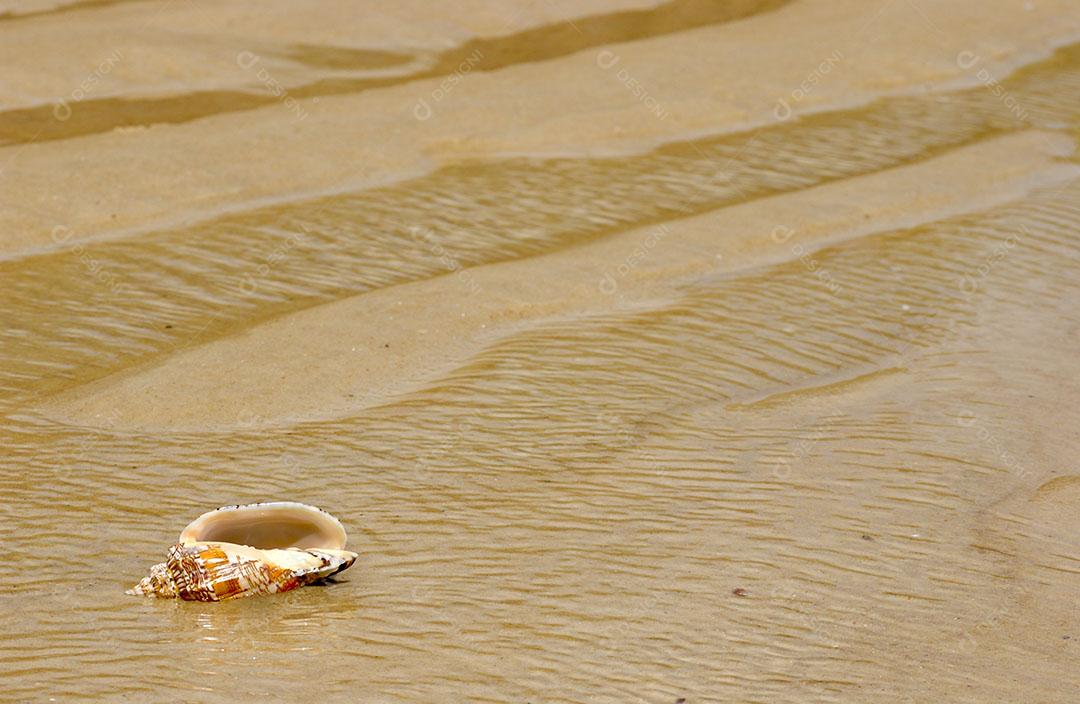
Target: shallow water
[
  {"x": 762, "y": 484},
  {"x": 489, "y": 54}
]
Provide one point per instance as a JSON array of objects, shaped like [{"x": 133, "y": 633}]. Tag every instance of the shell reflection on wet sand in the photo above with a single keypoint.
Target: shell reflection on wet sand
[{"x": 793, "y": 450}]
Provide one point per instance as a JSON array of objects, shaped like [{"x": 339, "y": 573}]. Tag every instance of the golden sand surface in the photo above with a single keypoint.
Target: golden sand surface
[{"x": 649, "y": 351}]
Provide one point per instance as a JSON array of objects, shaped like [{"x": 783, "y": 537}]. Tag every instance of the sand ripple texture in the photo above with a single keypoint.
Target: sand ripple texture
[
  {"x": 846, "y": 476},
  {"x": 164, "y": 290}
]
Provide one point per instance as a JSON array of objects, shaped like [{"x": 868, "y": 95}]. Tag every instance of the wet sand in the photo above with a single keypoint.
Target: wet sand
[{"x": 717, "y": 352}]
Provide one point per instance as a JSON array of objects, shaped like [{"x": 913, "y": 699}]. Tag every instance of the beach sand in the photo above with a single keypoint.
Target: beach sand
[{"x": 648, "y": 351}]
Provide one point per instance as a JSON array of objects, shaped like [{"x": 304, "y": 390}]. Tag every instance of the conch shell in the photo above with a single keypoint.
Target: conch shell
[{"x": 239, "y": 551}]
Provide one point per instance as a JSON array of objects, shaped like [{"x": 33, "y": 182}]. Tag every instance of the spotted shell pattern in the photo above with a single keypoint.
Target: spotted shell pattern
[{"x": 217, "y": 572}]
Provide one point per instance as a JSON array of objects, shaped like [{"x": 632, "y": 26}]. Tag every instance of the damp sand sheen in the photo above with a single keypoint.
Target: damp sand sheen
[{"x": 648, "y": 351}]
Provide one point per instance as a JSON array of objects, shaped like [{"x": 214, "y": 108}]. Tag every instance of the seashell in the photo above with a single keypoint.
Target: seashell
[{"x": 240, "y": 551}]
